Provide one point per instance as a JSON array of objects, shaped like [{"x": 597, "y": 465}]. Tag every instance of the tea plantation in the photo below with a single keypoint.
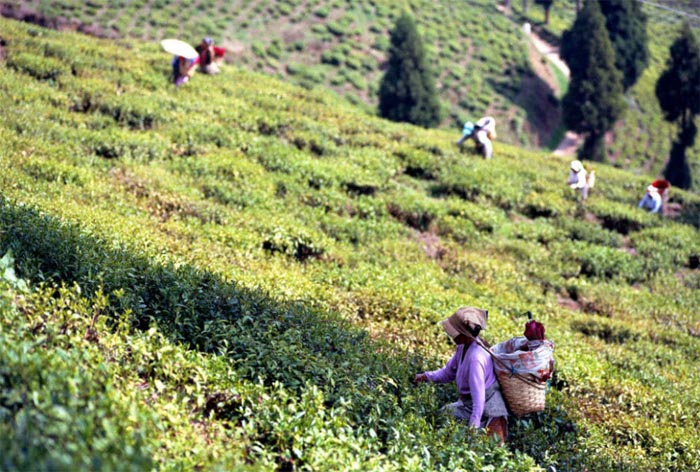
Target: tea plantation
[
  {"x": 479, "y": 56},
  {"x": 243, "y": 274},
  {"x": 641, "y": 141}
]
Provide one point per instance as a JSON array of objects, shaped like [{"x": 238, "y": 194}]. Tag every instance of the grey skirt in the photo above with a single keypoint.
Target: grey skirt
[{"x": 494, "y": 406}]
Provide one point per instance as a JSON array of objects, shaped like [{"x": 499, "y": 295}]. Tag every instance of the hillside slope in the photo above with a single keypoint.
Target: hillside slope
[
  {"x": 243, "y": 274},
  {"x": 480, "y": 58},
  {"x": 641, "y": 141}
]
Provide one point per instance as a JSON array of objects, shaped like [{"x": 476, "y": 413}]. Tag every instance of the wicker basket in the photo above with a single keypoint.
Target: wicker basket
[{"x": 522, "y": 396}]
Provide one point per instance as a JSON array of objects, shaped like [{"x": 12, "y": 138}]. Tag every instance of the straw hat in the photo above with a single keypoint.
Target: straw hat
[
  {"x": 463, "y": 319},
  {"x": 576, "y": 166}
]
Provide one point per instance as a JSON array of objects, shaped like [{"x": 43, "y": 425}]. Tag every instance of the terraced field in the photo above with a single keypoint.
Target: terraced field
[
  {"x": 479, "y": 57},
  {"x": 243, "y": 274}
]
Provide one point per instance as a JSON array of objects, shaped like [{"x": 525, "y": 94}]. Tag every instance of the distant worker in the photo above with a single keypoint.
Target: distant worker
[
  {"x": 183, "y": 69},
  {"x": 471, "y": 368},
  {"x": 482, "y": 133},
  {"x": 578, "y": 179},
  {"x": 656, "y": 197},
  {"x": 210, "y": 57}
]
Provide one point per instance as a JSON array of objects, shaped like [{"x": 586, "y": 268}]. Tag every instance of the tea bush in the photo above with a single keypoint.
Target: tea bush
[{"x": 253, "y": 283}]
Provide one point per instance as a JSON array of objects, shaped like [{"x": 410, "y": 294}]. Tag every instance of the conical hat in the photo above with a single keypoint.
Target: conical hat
[{"x": 179, "y": 48}]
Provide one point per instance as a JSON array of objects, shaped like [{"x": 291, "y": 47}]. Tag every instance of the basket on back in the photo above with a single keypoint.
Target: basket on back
[{"x": 523, "y": 368}]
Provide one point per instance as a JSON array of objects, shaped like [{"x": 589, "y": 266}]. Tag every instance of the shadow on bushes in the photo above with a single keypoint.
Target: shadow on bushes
[
  {"x": 608, "y": 332},
  {"x": 550, "y": 437},
  {"x": 283, "y": 342},
  {"x": 279, "y": 342}
]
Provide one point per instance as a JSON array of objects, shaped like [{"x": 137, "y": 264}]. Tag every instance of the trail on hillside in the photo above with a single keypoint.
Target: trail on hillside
[{"x": 571, "y": 141}]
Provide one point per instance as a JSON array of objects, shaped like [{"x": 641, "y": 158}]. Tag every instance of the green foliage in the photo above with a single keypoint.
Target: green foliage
[
  {"x": 251, "y": 281},
  {"x": 593, "y": 101},
  {"x": 627, "y": 27},
  {"x": 407, "y": 91},
  {"x": 479, "y": 56},
  {"x": 678, "y": 92},
  {"x": 583, "y": 231},
  {"x": 42, "y": 68},
  {"x": 678, "y": 88}
]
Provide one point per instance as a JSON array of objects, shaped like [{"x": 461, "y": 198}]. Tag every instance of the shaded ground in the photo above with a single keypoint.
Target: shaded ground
[
  {"x": 548, "y": 110},
  {"x": 538, "y": 97}
]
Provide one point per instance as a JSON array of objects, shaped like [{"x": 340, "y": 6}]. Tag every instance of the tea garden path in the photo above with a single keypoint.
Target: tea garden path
[{"x": 571, "y": 140}]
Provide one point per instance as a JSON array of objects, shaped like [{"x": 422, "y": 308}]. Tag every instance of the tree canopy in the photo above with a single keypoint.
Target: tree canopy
[
  {"x": 594, "y": 100},
  {"x": 678, "y": 87},
  {"x": 627, "y": 28},
  {"x": 407, "y": 92},
  {"x": 678, "y": 92}
]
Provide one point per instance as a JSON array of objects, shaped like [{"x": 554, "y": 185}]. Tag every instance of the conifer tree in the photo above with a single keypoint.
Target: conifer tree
[
  {"x": 407, "y": 91},
  {"x": 678, "y": 87},
  {"x": 627, "y": 28},
  {"x": 678, "y": 92},
  {"x": 594, "y": 100}
]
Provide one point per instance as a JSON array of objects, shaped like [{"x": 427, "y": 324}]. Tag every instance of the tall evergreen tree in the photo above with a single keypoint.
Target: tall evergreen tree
[
  {"x": 627, "y": 28},
  {"x": 594, "y": 100},
  {"x": 407, "y": 91},
  {"x": 678, "y": 92},
  {"x": 678, "y": 87}
]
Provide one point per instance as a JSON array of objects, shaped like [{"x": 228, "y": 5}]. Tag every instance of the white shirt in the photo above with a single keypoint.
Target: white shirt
[
  {"x": 488, "y": 124},
  {"x": 577, "y": 179}
]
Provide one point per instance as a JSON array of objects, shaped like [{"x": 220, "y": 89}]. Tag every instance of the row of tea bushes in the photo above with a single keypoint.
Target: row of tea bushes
[{"x": 312, "y": 250}]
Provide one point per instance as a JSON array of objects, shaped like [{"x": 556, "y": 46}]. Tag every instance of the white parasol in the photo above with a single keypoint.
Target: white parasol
[{"x": 179, "y": 48}]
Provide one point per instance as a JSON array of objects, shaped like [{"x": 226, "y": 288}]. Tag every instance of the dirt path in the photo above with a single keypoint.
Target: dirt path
[
  {"x": 550, "y": 52},
  {"x": 568, "y": 145},
  {"x": 571, "y": 141}
]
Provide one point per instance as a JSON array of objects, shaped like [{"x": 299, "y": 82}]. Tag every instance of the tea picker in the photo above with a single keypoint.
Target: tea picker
[
  {"x": 483, "y": 132},
  {"x": 510, "y": 378},
  {"x": 210, "y": 57},
  {"x": 471, "y": 368},
  {"x": 185, "y": 60},
  {"x": 656, "y": 197},
  {"x": 580, "y": 179}
]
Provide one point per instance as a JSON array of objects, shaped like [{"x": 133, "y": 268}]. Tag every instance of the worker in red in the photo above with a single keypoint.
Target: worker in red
[
  {"x": 210, "y": 56},
  {"x": 656, "y": 198}
]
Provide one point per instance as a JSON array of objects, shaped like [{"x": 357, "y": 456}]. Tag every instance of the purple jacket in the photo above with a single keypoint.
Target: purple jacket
[{"x": 473, "y": 376}]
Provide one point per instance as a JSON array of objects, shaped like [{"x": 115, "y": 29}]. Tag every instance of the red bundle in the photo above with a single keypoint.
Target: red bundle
[{"x": 534, "y": 331}]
